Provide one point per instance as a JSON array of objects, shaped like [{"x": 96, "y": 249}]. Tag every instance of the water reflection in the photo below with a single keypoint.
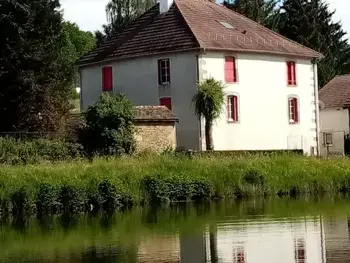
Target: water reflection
[{"x": 288, "y": 231}]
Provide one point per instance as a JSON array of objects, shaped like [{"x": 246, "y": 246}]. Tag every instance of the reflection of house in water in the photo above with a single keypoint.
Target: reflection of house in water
[
  {"x": 271, "y": 242},
  {"x": 302, "y": 240},
  {"x": 337, "y": 239}
]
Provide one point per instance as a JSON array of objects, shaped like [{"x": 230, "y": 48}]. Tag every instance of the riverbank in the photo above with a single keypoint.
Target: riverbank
[{"x": 112, "y": 184}]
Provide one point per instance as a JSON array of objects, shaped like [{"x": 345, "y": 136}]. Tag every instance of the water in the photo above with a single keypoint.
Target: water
[{"x": 255, "y": 231}]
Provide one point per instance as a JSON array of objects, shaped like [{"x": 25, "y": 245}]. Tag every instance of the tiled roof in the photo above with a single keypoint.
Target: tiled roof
[
  {"x": 194, "y": 24},
  {"x": 336, "y": 93},
  {"x": 154, "y": 113}
]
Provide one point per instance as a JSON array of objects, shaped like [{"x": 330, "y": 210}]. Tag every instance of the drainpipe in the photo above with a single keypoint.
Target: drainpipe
[
  {"x": 317, "y": 115},
  {"x": 199, "y": 118}
]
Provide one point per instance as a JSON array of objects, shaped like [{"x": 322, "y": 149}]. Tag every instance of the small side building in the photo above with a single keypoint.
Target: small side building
[
  {"x": 334, "y": 102},
  {"x": 155, "y": 129}
]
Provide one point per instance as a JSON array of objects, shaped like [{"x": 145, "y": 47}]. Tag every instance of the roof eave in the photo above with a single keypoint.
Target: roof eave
[{"x": 315, "y": 56}]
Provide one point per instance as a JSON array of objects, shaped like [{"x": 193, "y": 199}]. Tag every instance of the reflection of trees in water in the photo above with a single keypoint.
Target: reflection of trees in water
[
  {"x": 213, "y": 244},
  {"x": 110, "y": 255}
]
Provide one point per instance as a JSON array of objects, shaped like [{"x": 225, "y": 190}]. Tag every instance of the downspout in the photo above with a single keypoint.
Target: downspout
[
  {"x": 199, "y": 118},
  {"x": 317, "y": 109}
]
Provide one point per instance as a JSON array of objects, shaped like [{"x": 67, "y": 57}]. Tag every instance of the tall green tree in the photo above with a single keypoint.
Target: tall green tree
[
  {"x": 35, "y": 70},
  {"x": 311, "y": 23},
  {"x": 264, "y": 12},
  {"x": 119, "y": 14},
  {"x": 78, "y": 43},
  {"x": 208, "y": 102}
]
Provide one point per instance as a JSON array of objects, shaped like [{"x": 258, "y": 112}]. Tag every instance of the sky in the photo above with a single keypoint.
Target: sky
[{"x": 90, "y": 14}]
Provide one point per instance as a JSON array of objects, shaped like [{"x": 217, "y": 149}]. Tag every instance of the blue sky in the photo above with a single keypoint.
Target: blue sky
[{"x": 90, "y": 14}]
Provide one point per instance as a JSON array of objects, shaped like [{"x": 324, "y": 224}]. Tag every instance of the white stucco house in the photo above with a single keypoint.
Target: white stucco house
[
  {"x": 270, "y": 82},
  {"x": 334, "y": 102}
]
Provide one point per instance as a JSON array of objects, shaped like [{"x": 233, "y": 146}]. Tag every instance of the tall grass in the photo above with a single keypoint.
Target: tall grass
[{"x": 111, "y": 184}]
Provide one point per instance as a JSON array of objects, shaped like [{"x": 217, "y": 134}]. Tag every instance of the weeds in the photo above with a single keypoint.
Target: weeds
[{"x": 108, "y": 185}]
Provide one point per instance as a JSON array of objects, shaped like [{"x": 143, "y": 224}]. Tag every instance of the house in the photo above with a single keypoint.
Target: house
[
  {"x": 334, "y": 115},
  {"x": 159, "y": 59}
]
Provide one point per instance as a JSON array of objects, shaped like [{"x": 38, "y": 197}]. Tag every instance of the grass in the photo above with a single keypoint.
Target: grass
[{"x": 114, "y": 183}]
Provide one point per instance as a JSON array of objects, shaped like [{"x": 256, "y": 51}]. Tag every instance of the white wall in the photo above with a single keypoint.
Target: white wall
[
  {"x": 272, "y": 242},
  {"x": 138, "y": 78},
  {"x": 334, "y": 119},
  {"x": 263, "y": 103}
]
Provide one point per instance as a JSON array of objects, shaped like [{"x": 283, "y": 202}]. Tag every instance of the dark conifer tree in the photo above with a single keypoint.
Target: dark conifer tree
[{"x": 311, "y": 23}]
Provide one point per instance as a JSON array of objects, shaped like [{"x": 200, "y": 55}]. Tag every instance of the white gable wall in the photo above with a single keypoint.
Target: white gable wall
[
  {"x": 263, "y": 103},
  {"x": 138, "y": 79}
]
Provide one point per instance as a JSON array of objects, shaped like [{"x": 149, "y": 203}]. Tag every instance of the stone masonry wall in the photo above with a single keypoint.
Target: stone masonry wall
[{"x": 155, "y": 136}]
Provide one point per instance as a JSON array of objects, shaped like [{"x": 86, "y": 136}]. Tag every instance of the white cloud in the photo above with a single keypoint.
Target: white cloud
[
  {"x": 88, "y": 14},
  {"x": 91, "y": 15},
  {"x": 341, "y": 8}
]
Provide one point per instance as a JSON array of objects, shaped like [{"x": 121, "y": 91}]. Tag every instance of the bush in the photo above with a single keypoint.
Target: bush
[
  {"x": 16, "y": 151},
  {"x": 109, "y": 126}
]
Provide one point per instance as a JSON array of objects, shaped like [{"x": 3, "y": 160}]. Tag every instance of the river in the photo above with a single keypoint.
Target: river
[{"x": 276, "y": 230}]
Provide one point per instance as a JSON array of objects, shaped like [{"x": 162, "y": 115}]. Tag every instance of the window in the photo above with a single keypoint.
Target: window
[
  {"x": 327, "y": 139},
  {"x": 232, "y": 108},
  {"x": 293, "y": 110},
  {"x": 239, "y": 254},
  {"x": 299, "y": 251},
  {"x": 163, "y": 71},
  {"x": 225, "y": 24},
  {"x": 107, "y": 78},
  {"x": 291, "y": 73},
  {"x": 230, "y": 69},
  {"x": 165, "y": 102}
]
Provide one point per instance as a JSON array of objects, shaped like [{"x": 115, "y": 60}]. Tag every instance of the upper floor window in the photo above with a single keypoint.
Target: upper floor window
[
  {"x": 293, "y": 110},
  {"x": 230, "y": 69},
  {"x": 166, "y": 101},
  {"x": 232, "y": 108},
  {"x": 291, "y": 73},
  {"x": 107, "y": 78},
  {"x": 163, "y": 71}
]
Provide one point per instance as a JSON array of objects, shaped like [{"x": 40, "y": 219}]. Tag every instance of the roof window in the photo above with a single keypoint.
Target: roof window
[{"x": 225, "y": 24}]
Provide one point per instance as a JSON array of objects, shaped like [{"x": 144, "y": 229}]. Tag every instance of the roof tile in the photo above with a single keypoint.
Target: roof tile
[
  {"x": 154, "y": 113},
  {"x": 194, "y": 24},
  {"x": 336, "y": 93}
]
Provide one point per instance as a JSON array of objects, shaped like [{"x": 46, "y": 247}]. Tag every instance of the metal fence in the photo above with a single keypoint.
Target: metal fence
[{"x": 333, "y": 143}]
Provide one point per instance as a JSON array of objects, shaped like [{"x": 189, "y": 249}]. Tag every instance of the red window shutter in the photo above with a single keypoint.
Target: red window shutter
[
  {"x": 107, "y": 78},
  {"x": 166, "y": 102},
  {"x": 230, "y": 69},
  {"x": 291, "y": 72},
  {"x": 296, "y": 112},
  {"x": 234, "y": 70},
  {"x": 235, "y": 108}
]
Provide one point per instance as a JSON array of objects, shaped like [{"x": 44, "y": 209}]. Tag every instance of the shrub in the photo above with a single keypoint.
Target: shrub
[
  {"x": 16, "y": 151},
  {"x": 109, "y": 126}
]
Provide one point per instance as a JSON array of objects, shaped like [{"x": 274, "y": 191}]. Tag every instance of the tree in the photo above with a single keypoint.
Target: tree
[
  {"x": 35, "y": 70},
  {"x": 109, "y": 126},
  {"x": 264, "y": 12},
  {"x": 119, "y": 14},
  {"x": 310, "y": 23},
  {"x": 208, "y": 101},
  {"x": 78, "y": 43}
]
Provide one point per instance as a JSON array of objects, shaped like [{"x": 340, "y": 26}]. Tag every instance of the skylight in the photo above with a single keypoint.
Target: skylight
[{"x": 225, "y": 24}]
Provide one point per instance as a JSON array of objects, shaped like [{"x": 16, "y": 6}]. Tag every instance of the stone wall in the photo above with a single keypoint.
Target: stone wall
[{"x": 155, "y": 136}]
